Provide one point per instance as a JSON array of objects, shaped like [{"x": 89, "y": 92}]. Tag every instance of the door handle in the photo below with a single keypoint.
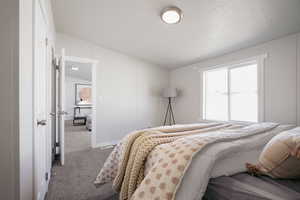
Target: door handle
[
  {"x": 42, "y": 122},
  {"x": 52, "y": 114}
]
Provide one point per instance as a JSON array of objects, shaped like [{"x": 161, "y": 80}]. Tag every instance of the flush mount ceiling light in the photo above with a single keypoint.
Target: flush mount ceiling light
[
  {"x": 171, "y": 15},
  {"x": 75, "y": 68}
]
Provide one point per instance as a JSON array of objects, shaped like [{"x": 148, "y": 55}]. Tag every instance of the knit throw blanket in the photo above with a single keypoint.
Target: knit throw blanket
[
  {"x": 113, "y": 168},
  {"x": 168, "y": 153},
  {"x": 137, "y": 148}
]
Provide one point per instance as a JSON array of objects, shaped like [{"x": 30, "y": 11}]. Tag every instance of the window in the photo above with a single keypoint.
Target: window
[{"x": 232, "y": 93}]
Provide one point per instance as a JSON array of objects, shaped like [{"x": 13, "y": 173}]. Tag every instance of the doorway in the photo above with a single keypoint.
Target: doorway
[
  {"x": 78, "y": 102},
  {"x": 76, "y": 105}
]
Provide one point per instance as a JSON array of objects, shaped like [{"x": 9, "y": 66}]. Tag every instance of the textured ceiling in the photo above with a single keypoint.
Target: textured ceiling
[{"x": 209, "y": 27}]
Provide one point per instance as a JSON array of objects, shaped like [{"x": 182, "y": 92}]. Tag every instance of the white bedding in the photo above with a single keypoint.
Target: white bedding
[
  {"x": 217, "y": 159},
  {"x": 224, "y": 158}
]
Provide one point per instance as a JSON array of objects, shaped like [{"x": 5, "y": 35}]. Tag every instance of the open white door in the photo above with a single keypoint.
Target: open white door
[
  {"x": 61, "y": 107},
  {"x": 41, "y": 117}
]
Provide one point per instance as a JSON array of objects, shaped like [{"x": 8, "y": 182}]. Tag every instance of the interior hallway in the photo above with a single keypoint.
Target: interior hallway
[{"x": 77, "y": 138}]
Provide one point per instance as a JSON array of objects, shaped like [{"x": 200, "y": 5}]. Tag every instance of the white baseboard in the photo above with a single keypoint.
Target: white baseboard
[{"x": 106, "y": 144}]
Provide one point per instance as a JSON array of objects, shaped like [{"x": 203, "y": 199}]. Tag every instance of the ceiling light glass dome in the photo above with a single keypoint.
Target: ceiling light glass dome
[{"x": 171, "y": 15}]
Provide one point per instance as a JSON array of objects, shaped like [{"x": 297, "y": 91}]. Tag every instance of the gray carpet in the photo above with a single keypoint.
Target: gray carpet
[
  {"x": 77, "y": 138},
  {"x": 74, "y": 180}
]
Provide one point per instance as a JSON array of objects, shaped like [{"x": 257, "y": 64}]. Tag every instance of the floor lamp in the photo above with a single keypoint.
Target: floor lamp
[{"x": 169, "y": 93}]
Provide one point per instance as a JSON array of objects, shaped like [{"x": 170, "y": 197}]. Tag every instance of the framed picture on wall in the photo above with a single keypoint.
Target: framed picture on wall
[{"x": 83, "y": 94}]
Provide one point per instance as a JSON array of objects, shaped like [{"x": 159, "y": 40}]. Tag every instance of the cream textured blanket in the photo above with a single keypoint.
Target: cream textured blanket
[
  {"x": 112, "y": 165},
  {"x": 131, "y": 171},
  {"x": 172, "y": 152}
]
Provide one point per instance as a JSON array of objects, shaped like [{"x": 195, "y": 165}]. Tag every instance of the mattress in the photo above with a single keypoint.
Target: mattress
[
  {"x": 231, "y": 164},
  {"x": 227, "y": 158},
  {"x": 243, "y": 186}
]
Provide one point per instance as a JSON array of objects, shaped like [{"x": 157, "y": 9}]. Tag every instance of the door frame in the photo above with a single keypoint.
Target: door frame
[{"x": 94, "y": 64}]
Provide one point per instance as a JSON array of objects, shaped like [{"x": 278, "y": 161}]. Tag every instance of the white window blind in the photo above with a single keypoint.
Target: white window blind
[{"x": 232, "y": 93}]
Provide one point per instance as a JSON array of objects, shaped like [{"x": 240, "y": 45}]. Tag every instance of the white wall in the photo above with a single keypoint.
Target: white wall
[
  {"x": 128, "y": 89},
  {"x": 280, "y": 81},
  {"x": 298, "y": 80},
  {"x": 9, "y": 108},
  {"x": 70, "y": 96},
  {"x": 26, "y": 98}
]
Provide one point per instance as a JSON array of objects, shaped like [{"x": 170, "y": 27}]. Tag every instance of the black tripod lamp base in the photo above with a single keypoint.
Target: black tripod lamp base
[{"x": 169, "y": 114}]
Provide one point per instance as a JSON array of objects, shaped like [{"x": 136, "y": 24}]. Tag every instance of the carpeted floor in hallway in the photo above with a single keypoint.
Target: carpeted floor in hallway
[
  {"x": 77, "y": 138},
  {"x": 74, "y": 180}
]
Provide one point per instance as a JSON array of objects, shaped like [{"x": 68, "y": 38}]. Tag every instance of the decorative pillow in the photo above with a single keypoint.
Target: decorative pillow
[
  {"x": 276, "y": 159},
  {"x": 109, "y": 171}
]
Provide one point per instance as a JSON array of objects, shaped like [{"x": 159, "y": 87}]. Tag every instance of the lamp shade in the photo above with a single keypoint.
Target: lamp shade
[{"x": 169, "y": 92}]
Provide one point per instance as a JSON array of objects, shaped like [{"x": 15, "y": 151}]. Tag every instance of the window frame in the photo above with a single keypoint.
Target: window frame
[{"x": 259, "y": 60}]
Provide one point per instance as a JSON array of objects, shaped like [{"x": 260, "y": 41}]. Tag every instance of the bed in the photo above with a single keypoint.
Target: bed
[
  {"x": 223, "y": 159},
  {"x": 225, "y": 153},
  {"x": 243, "y": 186}
]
